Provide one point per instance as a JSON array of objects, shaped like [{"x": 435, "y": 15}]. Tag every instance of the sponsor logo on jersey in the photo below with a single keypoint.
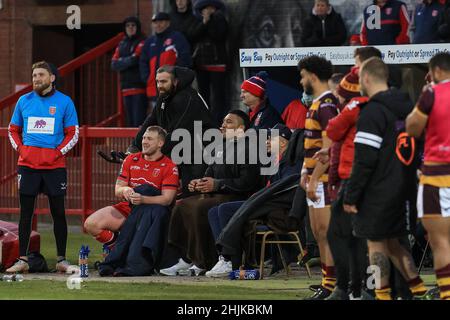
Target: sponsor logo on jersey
[
  {"x": 41, "y": 125},
  {"x": 135, "y": 168}
]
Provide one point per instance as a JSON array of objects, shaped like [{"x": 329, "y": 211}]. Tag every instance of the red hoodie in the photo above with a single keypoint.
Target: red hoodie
[{"x": 342, "y": 128}]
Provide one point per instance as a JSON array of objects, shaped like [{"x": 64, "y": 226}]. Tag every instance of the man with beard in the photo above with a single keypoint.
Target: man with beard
[
  {"x": 43, "y": 128},
  {"x": 149, "y": 167},
  {"x": 178, "y": 107},
  {"x": 378, "y": 188},
  {"x": 315, "y": 73}
]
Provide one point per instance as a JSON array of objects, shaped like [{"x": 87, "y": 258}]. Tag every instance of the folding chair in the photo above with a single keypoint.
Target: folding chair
[{"x": 272, "y": 237}]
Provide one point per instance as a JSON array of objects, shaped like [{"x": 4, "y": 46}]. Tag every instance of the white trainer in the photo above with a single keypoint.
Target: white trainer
[
  {"x": 21, "y": 266},
  {"x": 175, "y": 269},
  {"x": 196, "y": 271},
  {"x": 221, "y": 269}
]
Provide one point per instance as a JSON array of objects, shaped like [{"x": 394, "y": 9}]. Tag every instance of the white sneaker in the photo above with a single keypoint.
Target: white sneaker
[
  {"x": 175, "y": 269},
  {"x": 21, "y": 266},
  {"x": 196, "y": 271},
  {"x": 221, "y": 269}
]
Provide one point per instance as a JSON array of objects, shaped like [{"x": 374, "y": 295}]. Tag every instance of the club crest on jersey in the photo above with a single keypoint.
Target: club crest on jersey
[
  {"x": 168, "y": 42},
  {"x": 258, "y": 119},
  {"x": 52, "y": 110},
  {"x": 156, "y": 172},
  {"x": 435, "y": 13},
  {"x": 388, "y": 11}
]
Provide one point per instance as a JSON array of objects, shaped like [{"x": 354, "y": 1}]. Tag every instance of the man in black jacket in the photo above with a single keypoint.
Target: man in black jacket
[
  {"x": 182, "y": 19},
  {"x": 178, "y": 107},
  {"x": 323, "y": 27},
  {"x": 378, "y": 189},
  {"x": 210, "y": 55},
  {"x": 126, "y": 61},
  {"x": 231, "y": 176}
]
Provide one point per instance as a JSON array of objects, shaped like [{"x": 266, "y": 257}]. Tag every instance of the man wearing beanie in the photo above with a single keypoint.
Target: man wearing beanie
[
  {"x": 126, "y": 61},
  {"x": 253, "y": 94},
  {"x": 349, "y": 252},
  {"x": 166, "y": 47}
]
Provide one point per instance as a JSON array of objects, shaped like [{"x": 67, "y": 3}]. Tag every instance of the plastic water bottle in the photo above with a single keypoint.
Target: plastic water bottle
[
  {"x": 82, "y": 262},
  {"x": 8, "y": 277},
  {"x": 12, "y": 277},
  {"x": 106, "y": 251},
  {"x": 244, "y": 274}
]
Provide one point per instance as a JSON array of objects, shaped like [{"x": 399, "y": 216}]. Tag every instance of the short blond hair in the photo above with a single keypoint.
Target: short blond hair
[{"x": 376, "y": 69}]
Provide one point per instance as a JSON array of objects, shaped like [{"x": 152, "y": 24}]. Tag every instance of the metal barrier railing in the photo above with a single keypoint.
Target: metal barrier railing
[{"x": 91, "y": 179}]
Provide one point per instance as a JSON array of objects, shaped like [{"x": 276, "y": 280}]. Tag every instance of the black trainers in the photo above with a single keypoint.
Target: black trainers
[
  {"x": 338, "y": 294},
  {"x": 315, "y": 287},
  {"x": 321, "y": 294}
]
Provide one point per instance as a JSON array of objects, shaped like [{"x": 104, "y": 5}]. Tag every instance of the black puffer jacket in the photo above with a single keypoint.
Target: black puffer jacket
[
  {"x": 327, "y": 31},
  {"x": 126, "y": 57},
  {"x": 210, "y": 38},
  {"x": 179, "y": 110}
]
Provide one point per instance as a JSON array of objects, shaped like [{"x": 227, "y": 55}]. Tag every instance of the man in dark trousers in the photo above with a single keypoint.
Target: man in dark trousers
[
  {"x": 377, "y": 190},
  {"x": 43, "y": 128},
  {"x": 126, "y": 61}
]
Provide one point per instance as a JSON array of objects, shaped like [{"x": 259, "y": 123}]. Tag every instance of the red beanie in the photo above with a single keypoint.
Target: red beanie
[
  {"x": 349, "y": 88},
  {"x": 256, "y": 85}
]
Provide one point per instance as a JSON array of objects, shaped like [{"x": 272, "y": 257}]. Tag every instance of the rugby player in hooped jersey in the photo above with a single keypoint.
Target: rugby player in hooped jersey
[
  {"x": 149, "y": 167},
  {"x": 43, "y": 128}
]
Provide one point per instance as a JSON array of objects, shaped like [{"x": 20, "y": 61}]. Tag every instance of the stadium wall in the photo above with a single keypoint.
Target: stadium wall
[{"x": 18, "y": 19}]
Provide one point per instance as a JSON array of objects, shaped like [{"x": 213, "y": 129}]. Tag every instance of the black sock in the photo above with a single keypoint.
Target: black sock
[
  {"x": 59, "y": 223},
  {"x": 25, "y": 222}
]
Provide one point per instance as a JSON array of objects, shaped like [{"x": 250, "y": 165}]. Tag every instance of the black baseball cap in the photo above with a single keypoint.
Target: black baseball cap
[
  {"x": 160, "y": 16},
  {"x": 283, "y": 131}
]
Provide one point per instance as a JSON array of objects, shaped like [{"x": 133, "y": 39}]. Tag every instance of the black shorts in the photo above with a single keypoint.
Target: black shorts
[{"x": 52, "y": 182}]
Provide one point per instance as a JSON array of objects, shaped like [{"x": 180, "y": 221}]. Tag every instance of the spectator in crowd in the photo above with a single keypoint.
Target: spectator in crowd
[
  {"x": 147, "y": 185},
  {"x": 253, "y": 95},
  {"x": 178, "y": 106},
  {"x": 126, "y": 61},
  {"x": 226, "y": 179},
  {"x": 394, "y": 24},
  {"x": 182, "y": 19},
  {"x": 315, "y": 73},
  {"x": 220, "y": 215},
  {"x": 323, "y": 27},
  {"x": 425, "y": 22},
  {"x": 43, "y": 129},
  {"x": 210, "y": 55},
  {"x": 166, "y": 47},
  {"x": 378, "y": 200},
  {"x": 354, "y": 40},
  {"x": 432, "y": 116},
  {"x": 444, "y": 23}
]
